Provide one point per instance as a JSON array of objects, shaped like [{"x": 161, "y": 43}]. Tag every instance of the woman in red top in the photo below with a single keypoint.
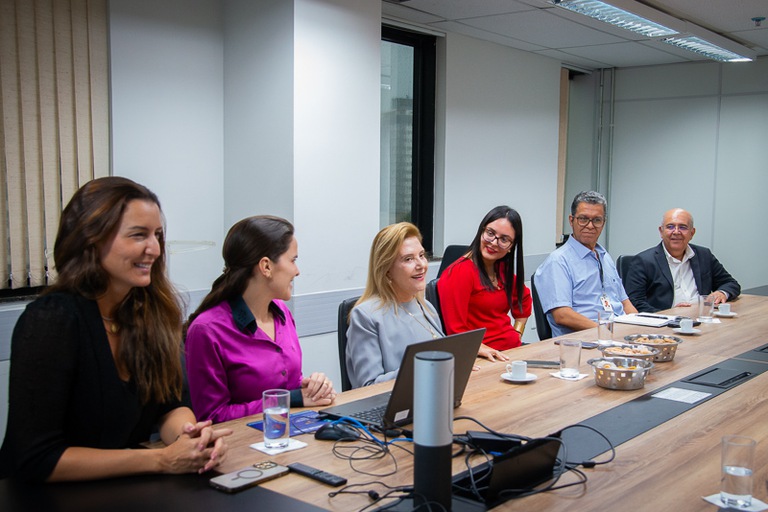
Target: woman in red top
[{"x": 481, "y": 288}]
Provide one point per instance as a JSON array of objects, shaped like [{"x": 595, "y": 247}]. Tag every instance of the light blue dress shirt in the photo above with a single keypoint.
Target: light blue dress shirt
[{"x": 570, "y": 276}]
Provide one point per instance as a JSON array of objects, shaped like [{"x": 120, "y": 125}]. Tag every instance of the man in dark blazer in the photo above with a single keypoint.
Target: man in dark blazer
[{"x": 675, "y": 272}]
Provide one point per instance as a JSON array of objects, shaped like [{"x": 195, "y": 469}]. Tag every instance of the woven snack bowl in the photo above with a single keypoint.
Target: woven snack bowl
[
  {"x": 620, "y": 378},
  {"x": 666, "y": 344}
]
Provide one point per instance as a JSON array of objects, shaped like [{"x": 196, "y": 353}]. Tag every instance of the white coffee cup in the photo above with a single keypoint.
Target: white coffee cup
[
  {"x": 724, "y": 308},
  {"x": 686, "y": 324},
  {"x": 517, "y": 369}
]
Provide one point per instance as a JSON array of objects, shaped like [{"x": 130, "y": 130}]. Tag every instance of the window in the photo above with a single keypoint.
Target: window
[
  {"x": 408, "y": 129},
  {"x": 54, "y": 127}
]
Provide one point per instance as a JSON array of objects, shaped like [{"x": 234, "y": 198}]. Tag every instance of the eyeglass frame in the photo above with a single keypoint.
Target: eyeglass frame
[
  {"x": 490, "y": 236},
  {"x": 583, "y": 221},
  {"x": 684, "y": 228}
]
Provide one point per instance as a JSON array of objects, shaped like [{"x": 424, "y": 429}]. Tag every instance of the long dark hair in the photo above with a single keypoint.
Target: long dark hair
[
  {"x": 149, "y": 317},
  {"x": 246, "y": 243},
  {"x": 512, "y": 263}
]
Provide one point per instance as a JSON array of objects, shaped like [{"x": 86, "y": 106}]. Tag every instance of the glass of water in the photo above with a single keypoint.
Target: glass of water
[
  {"x": 570, "y": 356},
  {"x": 276, "y": 405},
  {"x": 706, "y": 308},
  {"x": 737, "y": 467},
  {"x": 605, "y": 321}
]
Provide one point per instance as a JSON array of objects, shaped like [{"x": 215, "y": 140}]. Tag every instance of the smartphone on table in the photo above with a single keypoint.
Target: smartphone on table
[
  {"x": 584, "y": 344},
  {"x": 248, "y": 477}
]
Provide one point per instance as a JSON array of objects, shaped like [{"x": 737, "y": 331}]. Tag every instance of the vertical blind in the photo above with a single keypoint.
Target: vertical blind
[{"x": 54, "y": 124}]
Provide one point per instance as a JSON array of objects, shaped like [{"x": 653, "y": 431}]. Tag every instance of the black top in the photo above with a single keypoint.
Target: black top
[{"x": 65, "y": 390}]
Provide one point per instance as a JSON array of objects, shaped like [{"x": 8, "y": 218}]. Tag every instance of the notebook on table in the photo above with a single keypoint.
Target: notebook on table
[{"x": 394, "y": 409}]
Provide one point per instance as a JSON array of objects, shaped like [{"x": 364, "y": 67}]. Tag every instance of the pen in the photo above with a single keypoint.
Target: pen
[{"x": 653, "y": 316}]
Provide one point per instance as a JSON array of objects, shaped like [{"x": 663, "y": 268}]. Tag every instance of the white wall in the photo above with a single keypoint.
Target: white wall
[
  {"x": 690, "y": 136},
  {"x": 583, "y": 135},
  {"x": 336, "y": 153},
  {"x": 501, "y": 139},
  {"x": 167, "y": 119},
  {"x": 258, "y": 109},
  {"x": 244, "y": 107}
]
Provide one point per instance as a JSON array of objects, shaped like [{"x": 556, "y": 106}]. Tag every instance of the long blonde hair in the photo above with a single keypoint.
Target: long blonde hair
[{"x": 384, "y": 251}]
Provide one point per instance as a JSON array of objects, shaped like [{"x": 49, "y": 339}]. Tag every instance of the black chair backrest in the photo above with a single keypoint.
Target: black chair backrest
[
  {"x": 451, "y": 254},
  {"x": 344, "y": 308},
  {"x": 430, "y": 293},
  {"x": 542, "y": 324},
  {"x": 623, "y": 263}
]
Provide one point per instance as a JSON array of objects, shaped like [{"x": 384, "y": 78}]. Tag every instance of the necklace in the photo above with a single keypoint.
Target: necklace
[
  {"x": 428, "y": 327},
  {"x": 111, "y": 325}
]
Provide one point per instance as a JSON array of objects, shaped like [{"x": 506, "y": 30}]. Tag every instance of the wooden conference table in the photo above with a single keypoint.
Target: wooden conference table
[{"x": 668, "y": 467}]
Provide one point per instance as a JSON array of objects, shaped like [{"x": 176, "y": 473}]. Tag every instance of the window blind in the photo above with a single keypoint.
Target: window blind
[{"x": 54, "y": 124}]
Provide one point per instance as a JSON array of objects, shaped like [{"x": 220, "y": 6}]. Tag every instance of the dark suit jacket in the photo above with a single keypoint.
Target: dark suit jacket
[{"x": 649, "y": 281}]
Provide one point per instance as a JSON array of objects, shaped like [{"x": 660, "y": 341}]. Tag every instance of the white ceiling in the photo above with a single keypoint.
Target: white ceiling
[{"x": 539, "y": 27}]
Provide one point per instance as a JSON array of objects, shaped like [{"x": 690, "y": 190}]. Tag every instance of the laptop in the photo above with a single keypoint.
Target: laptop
[
  {"x": 512, "y": 473},
  {"x": 394, "y": 409}
]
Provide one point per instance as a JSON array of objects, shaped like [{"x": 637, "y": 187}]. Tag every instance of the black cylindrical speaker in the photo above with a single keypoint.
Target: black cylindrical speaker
[{"x": 433, "y": 427}]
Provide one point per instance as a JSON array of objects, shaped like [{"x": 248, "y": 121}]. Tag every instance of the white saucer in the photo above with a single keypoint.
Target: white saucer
[
  {"x": 726, "y": 315},
  {"x": 529, "y": 377},
  {"x": 692, "y": 332}
]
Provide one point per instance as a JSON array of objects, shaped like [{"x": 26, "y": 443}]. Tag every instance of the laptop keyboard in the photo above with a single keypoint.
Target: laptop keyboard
[{"x": 374, "y": 415}]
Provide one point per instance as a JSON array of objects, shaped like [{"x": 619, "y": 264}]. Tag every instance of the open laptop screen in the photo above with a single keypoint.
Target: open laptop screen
[{"x": 399, "y": 411}]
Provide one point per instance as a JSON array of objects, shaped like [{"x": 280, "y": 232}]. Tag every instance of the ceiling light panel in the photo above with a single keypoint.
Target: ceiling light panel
[
  {"x": 618, "y": 17},
  {"x": 709, "y": 50}
]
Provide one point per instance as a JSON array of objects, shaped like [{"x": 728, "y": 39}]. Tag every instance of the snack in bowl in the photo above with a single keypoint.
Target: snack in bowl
[
  {"x": 620, "y": 372},
  {"x": 607, "y": 365},
  {"x": 638, "y": 351},
  {"x": 664, "y": 343}
]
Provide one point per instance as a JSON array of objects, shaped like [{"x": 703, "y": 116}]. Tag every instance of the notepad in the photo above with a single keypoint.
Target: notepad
[{"x": 645, "y": 319}]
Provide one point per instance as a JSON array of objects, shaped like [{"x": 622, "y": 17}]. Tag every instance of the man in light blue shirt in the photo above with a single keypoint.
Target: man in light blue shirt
[{"x": 580, "y": 278}]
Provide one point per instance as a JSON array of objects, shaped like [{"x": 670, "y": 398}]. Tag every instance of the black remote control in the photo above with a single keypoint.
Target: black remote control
[{"x": 316, "y": 474}]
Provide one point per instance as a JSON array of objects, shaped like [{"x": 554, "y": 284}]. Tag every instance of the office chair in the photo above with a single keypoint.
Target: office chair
[
  {"x": 623, "y": 263},
  {"x": 430, "y": 293},
  {"x": 344, "y": 308},
  {"x": 451, "y": 254},
  {"x": 542, "y": 324}
]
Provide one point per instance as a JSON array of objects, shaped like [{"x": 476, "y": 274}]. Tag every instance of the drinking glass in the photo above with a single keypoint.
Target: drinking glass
[
  {"x": 706, "y": 308},
  {"x": 737, "y": 467},
  {"x": 570, "y": 357},
  {"x": 276, "y": 405},
  {"x": 605, "y": 327}
]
